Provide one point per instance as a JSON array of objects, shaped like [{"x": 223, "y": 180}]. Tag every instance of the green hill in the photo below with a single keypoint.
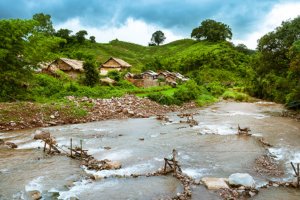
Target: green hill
[{"x": 182, "y": 55}]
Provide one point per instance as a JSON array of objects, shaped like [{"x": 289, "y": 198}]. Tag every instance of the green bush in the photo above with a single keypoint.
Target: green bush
[
  {"x": 91, "y": 73},
  {"x": 45, "y": 85},
  {"x": 215, "y": 88},
  {"x": 114, "y": 74},
  {"x": 205, "y": 99},
  {"x": 237, "y": 96},
  {"x": 188, "y": 91}
]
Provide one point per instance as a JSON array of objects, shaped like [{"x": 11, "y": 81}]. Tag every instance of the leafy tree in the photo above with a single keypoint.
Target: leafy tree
[
  {"x": 158, "y": 37},
  {"x": 14, "y": 71},
  {"x": 65, "y": 34},
  {"x": 44, "y": 23},
  {"x": 244, "y": 49},
  {"x": 274, "y": 46},
  {"x": 80, "y": 36},
  {"x": 93, "y": 39},
  {"x": 21, "y": 48},
  {"x": 91, "y": 73},
  {"x": 277, "y": 63},
  {"x": 212, "y": 31}
]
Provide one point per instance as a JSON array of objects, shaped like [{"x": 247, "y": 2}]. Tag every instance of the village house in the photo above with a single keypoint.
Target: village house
[
  {"x": 69, "y": 66},
  {"x": 113, "y": 64},
  {"x": 150, "y": 78}
]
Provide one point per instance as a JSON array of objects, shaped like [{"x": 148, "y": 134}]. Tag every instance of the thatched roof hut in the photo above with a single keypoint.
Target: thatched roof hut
[
  {"x": 69, "y": 66},
  {"x": 113, "y": 64}
]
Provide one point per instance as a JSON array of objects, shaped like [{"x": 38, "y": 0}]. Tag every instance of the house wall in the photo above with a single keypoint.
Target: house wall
[
  {"x": 150, "y": 83},
  {"x": 73, "y": 74},
  {"x": 104, "y": 71},
  {"x": 63, "y": 66}
]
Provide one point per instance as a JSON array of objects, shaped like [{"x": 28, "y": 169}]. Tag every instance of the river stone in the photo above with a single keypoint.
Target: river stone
[
  {"x": 215, "y": 183},
  {"x": 11, "y": 145},
  {"x": 41, "y": 135},
  {"x": 241, "y": 179},
  {"x": 34, "y": 195}
]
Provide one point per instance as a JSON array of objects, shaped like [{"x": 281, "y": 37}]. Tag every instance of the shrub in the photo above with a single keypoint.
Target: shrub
[
  {"x": 188, "y": 91},
  {"x": 114, "y": 74},
  {"x": 205, "y": 99},
  {"x": 215, "y": 88},
  {"x": 91, "y": 73},
  {"x": 238, "y": 96}
]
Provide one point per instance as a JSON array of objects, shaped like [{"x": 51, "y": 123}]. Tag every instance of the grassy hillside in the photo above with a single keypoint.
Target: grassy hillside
[{"x": 183, "y": 55}]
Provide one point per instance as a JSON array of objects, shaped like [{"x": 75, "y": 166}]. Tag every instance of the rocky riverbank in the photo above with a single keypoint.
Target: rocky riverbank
[{"x": 22, "y": 115}]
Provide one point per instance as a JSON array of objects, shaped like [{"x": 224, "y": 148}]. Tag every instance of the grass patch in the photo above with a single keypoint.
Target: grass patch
[
  {"x": 237, "y": 96},
  {"x": 206, "y": 99}
]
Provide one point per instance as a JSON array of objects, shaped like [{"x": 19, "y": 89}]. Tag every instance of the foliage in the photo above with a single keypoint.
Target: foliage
[
  {"x": 65, "y": 34},
  {"x": 188, "y": 91},
  {"x": 91, "y": 73},
  {"x": 93, "y": 39},
  {"x": 244, "y": 49},
  {"x": 158, "y": 37},
  {"x": 212, "y": 31},
  {"x": 277, "y": 64},
  {"x": 44, "y": 24},
  {"x": 114, "y": 74},
  {"x": 80, "y": 36},
  {"x": 237, "y": 96}
]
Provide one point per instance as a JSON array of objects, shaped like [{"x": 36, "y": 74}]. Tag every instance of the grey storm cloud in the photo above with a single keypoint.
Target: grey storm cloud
[{"x": 180, "y": 15}]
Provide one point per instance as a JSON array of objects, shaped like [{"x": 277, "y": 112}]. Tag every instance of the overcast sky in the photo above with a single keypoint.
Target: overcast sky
[{"x": 136, "y": 20}]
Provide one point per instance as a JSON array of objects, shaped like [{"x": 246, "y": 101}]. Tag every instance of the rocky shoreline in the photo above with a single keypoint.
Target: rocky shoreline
[{"x": 31, "y": 115}]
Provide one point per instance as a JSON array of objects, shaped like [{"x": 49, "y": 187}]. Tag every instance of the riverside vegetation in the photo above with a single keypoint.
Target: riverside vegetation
[{"x": 216, "y": 67}]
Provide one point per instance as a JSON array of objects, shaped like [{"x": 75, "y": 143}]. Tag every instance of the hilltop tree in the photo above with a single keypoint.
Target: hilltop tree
[
  {"x": 158, "y": 37},
  {"x": 93, "y": 39},
  {"x": 80, "y": 36},
  {"x": 212, "y": 31},
  {"x": 44, "y": 23},
  {"x": 91, "y": 73},
  {"x": 64, "y": 33}
]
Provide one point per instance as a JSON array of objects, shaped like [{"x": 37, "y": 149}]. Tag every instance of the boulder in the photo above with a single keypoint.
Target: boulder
[
  {"x": 41, "y": 135},
  {"x": 2, "y": 142},
  {"x": 215, "y": 183},
  {"x": 130, "y": 113},
  {"x": 11, "y": 145},
  {"x": 241, "y": 179},
  {"x": 34, "y": 195}
]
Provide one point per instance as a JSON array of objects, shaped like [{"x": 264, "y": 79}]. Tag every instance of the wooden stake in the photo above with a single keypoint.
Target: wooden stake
[
  {"x": 298, "y": 176},
  {"x": 45, "y": 146},
  {"x": 174, "y": 161},
  {"x": 294, "y": 168},
  {"x": 71, "y": 147},
  {"x": 81, "y": 149}
]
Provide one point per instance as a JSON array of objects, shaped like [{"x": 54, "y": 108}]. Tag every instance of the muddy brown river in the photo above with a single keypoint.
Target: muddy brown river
[{"x": 210, "y": 149}]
